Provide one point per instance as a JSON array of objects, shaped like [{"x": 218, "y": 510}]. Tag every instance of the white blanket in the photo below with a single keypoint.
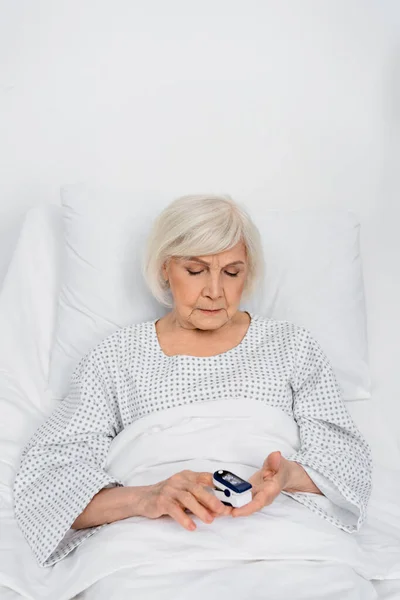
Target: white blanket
[{"x": 248, "y": 557}]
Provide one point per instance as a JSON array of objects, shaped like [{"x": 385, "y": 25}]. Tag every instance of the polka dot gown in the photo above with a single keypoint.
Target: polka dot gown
[{"x": 128, "y": 376}]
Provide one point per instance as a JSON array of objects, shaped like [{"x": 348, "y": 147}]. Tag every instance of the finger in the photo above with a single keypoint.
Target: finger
[
  {"x": 273, "y": 461},
  {"x": 204, "y": 478},
  {"x": 227, "y": 511},
  {"x": 268, "y": 474},
  {"x": 189, "y": 501},
  {"x": 208, "y": 499},
  {"x": 215, "y": 515},
  {"x": 258, "y": 502},
  {"x": 179, "y": 515}
]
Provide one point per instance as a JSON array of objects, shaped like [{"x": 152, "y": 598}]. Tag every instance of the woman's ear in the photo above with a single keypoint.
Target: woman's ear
[{"x": 165, "y": 274}]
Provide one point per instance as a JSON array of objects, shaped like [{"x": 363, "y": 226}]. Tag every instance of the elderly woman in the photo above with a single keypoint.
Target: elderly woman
[{"x": 203, "y": 254}]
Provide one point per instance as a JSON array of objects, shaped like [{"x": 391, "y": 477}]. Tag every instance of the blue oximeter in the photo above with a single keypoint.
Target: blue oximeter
[{"x": 231, "y": 489}]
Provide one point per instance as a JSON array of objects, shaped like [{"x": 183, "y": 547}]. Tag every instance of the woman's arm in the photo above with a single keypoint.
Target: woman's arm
[
  {"x": 62, "y": 466},
  {"x": 109, "y": 505},
  {"x": 333, "y": 451}
]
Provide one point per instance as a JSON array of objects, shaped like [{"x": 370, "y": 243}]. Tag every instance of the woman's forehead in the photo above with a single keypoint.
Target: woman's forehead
[{"x": 235, "y": 255}]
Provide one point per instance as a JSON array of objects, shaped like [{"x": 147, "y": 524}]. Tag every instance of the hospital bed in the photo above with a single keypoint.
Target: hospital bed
[{"x": 29, "y": 305}]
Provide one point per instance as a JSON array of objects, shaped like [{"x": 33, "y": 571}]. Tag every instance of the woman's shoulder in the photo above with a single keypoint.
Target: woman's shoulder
[
  {"x": 120, "y": 343},
  {"x": 277, "y": 326},
  {"x": 301, "y": 337}
]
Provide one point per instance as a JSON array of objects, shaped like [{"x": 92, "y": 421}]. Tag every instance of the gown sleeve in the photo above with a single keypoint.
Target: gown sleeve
[
  {"x": 62, "y": 466},
  {"x": 332, "y": 450}
]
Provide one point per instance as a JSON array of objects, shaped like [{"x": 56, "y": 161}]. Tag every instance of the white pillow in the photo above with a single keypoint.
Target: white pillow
[
  {"x": 28, "y": 302},
  {"x": 313, "y": 278}
]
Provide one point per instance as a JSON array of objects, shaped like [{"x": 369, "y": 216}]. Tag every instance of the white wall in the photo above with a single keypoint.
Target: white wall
[{"x": 290, "y": 104}]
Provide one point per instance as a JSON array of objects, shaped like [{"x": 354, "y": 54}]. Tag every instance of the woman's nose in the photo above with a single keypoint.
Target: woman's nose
[{"x": 214, "y": 286}]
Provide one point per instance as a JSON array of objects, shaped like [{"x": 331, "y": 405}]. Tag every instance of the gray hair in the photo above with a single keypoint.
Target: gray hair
[{"x": 199, "y": 225}]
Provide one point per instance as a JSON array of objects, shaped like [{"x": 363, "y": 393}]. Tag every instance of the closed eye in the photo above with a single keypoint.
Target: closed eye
[{"x": 198, "y": 273}]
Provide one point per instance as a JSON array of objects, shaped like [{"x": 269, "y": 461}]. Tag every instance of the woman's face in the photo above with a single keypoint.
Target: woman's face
[{"x": 207, "y": 282}]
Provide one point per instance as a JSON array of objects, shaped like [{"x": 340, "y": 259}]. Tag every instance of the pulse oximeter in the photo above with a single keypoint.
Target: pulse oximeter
[{"x": 231, "y": 489}]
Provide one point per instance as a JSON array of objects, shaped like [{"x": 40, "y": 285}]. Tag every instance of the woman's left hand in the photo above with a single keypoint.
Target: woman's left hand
[{"x": 267, "y": 484}]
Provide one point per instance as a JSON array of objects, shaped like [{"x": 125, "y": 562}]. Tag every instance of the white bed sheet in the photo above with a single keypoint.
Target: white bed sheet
[
  {"x": 386, "y": 590},
  {"x": 252, "y": 581},
  {"x": 158, "y": 560}
]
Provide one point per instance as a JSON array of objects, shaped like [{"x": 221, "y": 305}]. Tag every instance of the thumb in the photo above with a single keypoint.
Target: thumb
[{"x": 273, "y": 461}]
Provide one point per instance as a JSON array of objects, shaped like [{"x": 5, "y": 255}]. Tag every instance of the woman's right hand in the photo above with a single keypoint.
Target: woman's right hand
[{"x": 182, "y": 491}]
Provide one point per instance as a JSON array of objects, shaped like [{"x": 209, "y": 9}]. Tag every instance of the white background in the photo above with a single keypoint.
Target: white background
[{"x": 287, "y": 103}]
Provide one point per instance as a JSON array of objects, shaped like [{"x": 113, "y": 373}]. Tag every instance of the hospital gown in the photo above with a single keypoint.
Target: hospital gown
[{"x": 128, "y": 376}]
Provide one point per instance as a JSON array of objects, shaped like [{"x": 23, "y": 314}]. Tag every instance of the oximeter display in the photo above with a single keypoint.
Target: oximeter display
[
  {"x": 231, "y": 481},
  {"x": 232, "y": 478}
]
